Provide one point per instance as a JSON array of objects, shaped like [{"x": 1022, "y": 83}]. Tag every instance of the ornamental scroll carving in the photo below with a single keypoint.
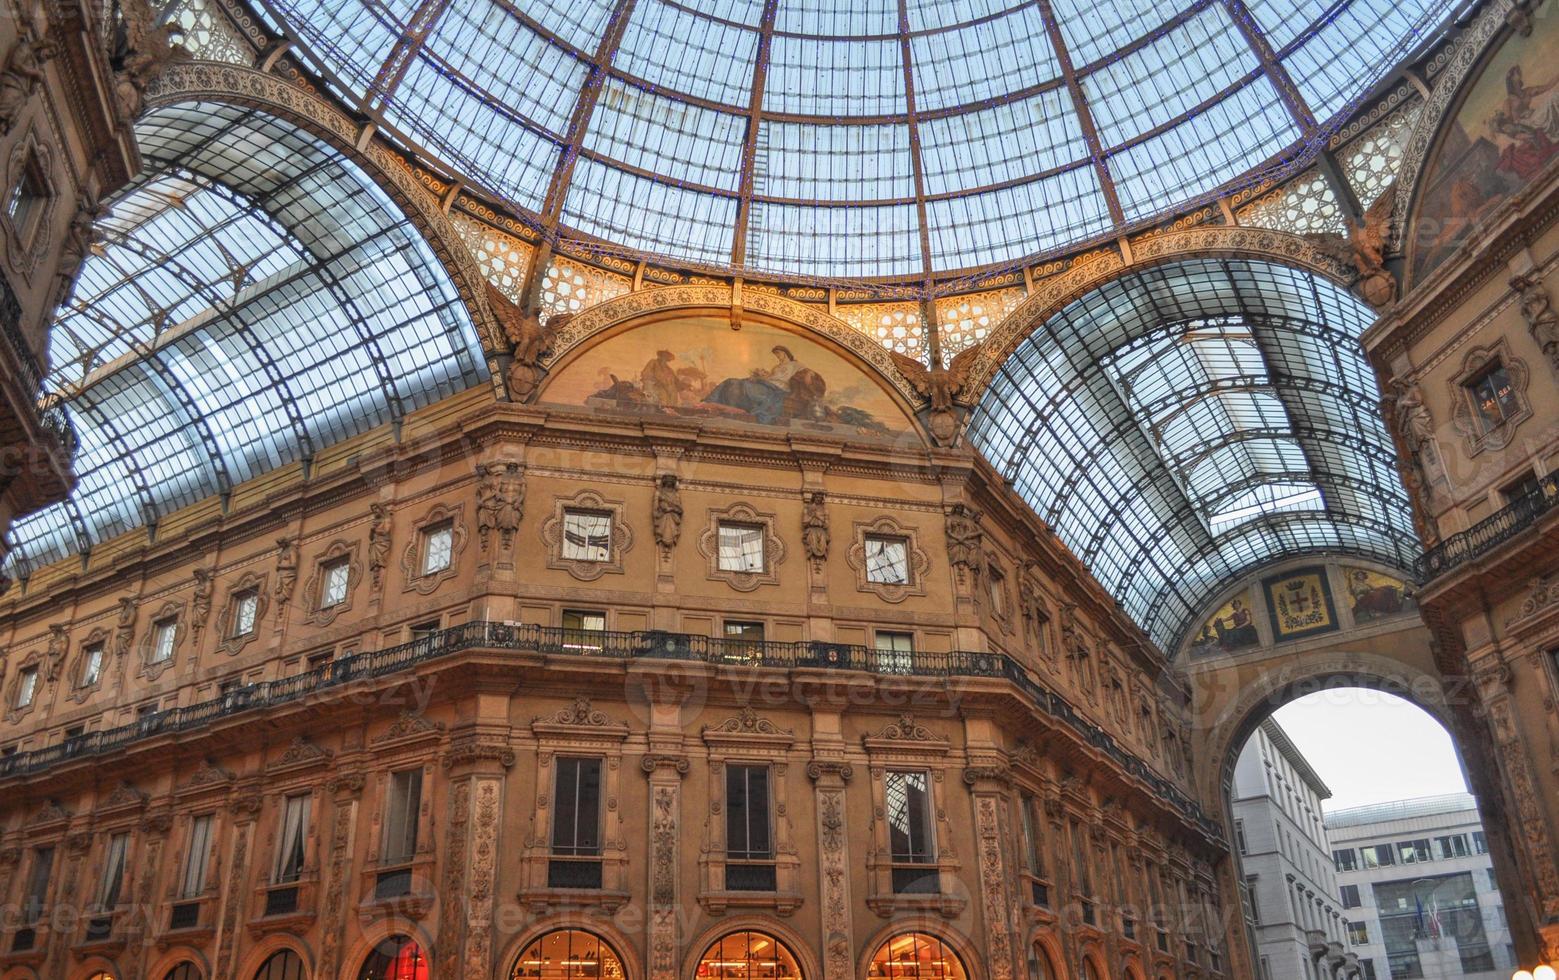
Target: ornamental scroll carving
[
  {"x": 993, "y": 887},
  {"x": 452, "y": 912},
  {"x": 484, "y": 856},
  {"x": 665, "y": 776},
  {"x": 833, "y": 865}
]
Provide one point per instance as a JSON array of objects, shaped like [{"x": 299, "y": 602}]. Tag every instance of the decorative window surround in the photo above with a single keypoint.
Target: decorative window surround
[
  {"x": 411, "y": 558},
  {"x": 577, "y": 730},
  {"x": 621, "y": 536},
  {"x": 1465, "y": 415},
  {"x": 81, "y": 687},
  {"x": 747, "y": 738},
  {"x": 906, "y": 745},
  {"x": 168, "y": 614},
  {"x": 27, "y": 179},
  {"x": 314, "y": 588},
  {"x": 773, "y": 547},
  {"x": 918, "y": 562},
  {"x": 250, "y": 583}
]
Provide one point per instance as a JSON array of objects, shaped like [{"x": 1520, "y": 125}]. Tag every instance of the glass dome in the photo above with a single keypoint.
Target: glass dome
[{"x": 879, "y": 138}]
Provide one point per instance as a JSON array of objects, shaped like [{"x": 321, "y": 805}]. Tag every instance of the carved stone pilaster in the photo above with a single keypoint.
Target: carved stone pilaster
[
  {"x": 665, "y": 777},
  {"x": 830, "y": 777},
  {"x": 345, "y": 789},
  {"x": 993, "y": 885},
  {"x": 485, "y": 802},
  {"x": 1530, "y": 823},
  {"x": 456, "y": 846}
]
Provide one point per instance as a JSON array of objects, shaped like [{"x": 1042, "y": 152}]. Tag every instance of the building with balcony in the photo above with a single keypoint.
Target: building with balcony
[{"x": 1420, "y": 891}]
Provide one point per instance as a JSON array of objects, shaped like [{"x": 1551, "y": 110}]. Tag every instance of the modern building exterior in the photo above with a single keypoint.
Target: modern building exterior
[
  {"x": 1419, "y": 890},
  {"x": 1290, "y": 887},
  {"x": 647, "y": 490}
]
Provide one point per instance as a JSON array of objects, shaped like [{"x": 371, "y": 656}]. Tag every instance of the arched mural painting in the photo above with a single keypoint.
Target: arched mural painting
[
  {"x": 1500, "y": 139},
  {"x": 697, "y": 366}
]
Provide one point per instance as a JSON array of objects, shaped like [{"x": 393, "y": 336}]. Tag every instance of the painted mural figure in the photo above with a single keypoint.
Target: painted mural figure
[{"x": 788, "y": 389}]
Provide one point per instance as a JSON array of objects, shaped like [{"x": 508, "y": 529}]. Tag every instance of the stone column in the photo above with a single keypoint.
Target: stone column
[
  {"x": 665, "y": 777},
  {"x": 246, "y": 810},
  {"x": 476, "y": 764},
  {"x": 988, "y": 786},
  {"x": 143, "y": 904},
  {"x": 829, "y": 777}
]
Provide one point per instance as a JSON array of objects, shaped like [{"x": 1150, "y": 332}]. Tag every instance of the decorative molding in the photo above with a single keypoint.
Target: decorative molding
[
  {"x": 411, "y": 556},
  {"x": 123, "y": 799},
  {"x": 1543, "y": 592},
  {"x": 993, "y": 886},
  {"x": 500, "y": 503},
  {"x": 621, "y": 535},
  {"x": 1464, "y": 414},
  {"x": 747, "y": 730},
  {"x": 79, "y": 691},
  {"x": 410, "y": 726},
  {"x": 300, "y": 754},
  {"x": 26, "y": 254},
  {"x": 906, "y": 731},
  {"x": 248, "y": 582},
  {"x": 208, "y": 776},
  {"x": 773, "y": 548},
  {"x": 168, "y": 611},
  {"x": 313, "y": 589},
  {"x": 472, "y": 750},
  {"x": 917, "y": 562}
]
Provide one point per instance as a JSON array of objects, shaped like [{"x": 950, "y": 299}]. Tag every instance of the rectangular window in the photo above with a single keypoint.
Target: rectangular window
[
  {"x": 438, "y": 547},
  {"x": 1480, "y": 844},
  {"x": 1524, "y": 486},
  {"x": 1251, "y": 894},
  {"x": 194, "y": 880},
  {"x": 1367, "y": 969},
  {"x": 333, "y": 589},
  {"x": 747, "y": 813},
  {"x": 908, "y": 796},
  {"x": 91, "y": 665},
  {"x": 246, "y": 608},
  {"x": 587, "y": 535},
  {"x": 1033, "y": 858},
  {"x": 1346, "y": 859},
  {"x": 577, "y": 817},
  {"x": 887, "y": 560},
  {"x": 582, "y": 629},
  {"x": 738, "y": 635},
  {"x": 1350, "y": 896},
  {"x": 292, "y": 840},
  {"x": 113, "y": 871},
  {"x": 163, "y": 635},
  {"x": 1378, "y": 856},
  {"x": 400, "y": 818},
  {"x": 1493, "y": 396},
  {"x": 1414, "y": 851},
  {"x": 38, "y": 884},
  {"x": 422, "y": 631},
  {"x": 895, "y": 651},
  {"x": 740, "y": 547},
  {"x": 1239, "y": 836},
  {"x": 1454, "y": 846},
  {"x": 997, "y": 587},
  {"x": 26, "y": 686},
  {"x": 27, "y": 199},
  {"x": 1358, "y": 933}
]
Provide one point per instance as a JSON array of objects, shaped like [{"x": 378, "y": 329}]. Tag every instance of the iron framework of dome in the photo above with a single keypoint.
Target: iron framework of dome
[{"x": 870, "y": 139}]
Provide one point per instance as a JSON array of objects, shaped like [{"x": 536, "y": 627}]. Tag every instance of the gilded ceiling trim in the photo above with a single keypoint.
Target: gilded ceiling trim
[
  {"x": 194, "y": 81},
  {"x": 1050, "y": 296}
]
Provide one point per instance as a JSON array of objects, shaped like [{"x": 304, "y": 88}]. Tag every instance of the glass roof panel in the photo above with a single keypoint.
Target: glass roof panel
[
  {"x": 305, "y": 309},
  {"x": 1182, "y": 104},
  {"x": 1185, "y": 423},
  {"x": 823, "y": 241}
]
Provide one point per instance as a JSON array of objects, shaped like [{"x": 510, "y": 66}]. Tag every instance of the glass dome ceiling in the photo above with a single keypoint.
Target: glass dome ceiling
[{"x": 875, "y": 138}]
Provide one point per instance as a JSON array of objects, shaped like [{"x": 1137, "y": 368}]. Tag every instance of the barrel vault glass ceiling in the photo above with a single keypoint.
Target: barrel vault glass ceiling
[
  {"x": 1189, "y": 423},
  {"x": 254, "y": 299},
  {"x": 868, "y": 138}
]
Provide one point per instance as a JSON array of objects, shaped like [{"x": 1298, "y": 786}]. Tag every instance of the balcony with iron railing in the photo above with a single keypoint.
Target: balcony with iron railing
[
  {"x": 1488, "y": 534},
  {"x": 609, "y": 645},
  {"x": 58, "y": 436}
]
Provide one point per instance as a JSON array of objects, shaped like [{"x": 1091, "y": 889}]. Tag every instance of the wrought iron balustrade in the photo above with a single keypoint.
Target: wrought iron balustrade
[
  {"x": 1491, "y": 532},
  {"x": 718, "y": 652},
  {"x": 52, "y": 419}
]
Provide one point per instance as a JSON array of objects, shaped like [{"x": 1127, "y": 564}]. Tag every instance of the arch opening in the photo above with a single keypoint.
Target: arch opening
[
  {"x": 747, "y": 954},
  {"x": 397, "y": 957},
  {"x": 567, "y": 954}
]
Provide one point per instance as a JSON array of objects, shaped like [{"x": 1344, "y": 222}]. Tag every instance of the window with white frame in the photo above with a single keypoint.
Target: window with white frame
[
  {"x": 91, "y": 666},
  {"x": 438, "y": 547},
  {"x": 193, "y": 880},
  {"x": 740, "y": 547},
  {"x": 292, "y": 842},
  {"x": 112, "y": 881},
  {"x": 332, "y": 591},
  {"x": 887, "y": 559},
  {"x": 164, "y": 632},
  {"x": 587, "y": 535},
  {"x": 26, "y": 686},
  {"x": 246, "y": 609},
  {"x": 895, "y": 651},
  {"x": 582, "y": 629}
]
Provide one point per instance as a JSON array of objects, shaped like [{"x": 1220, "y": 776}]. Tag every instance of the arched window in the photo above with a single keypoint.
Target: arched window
[
  {"x": 395, "y": 958},
  {"x": 184, "y": 971},
  {"x": 283, "y": 964},
  {"x": 917, "y": 956},
  {"x": 1039, "y": 964},
  {"x": 748, "y": 955},
  {"x": 102, "y": 975},
  {"x": 1089, "y": 971},
  {"x": 568, "y": 954}
]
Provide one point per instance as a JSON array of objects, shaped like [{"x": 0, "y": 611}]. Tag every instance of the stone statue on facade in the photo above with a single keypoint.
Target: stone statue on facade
[
  {"x": 1537, "y": 309},
  {"x": 141, "y": 52},
  {"x": 200, "y": 603},
  {"x": 22, "y": 76},
  {"x": 531, "y": 340},
  {"x": 1035, "y": 611},
  {"x": 77, "y": 243},
  {"x": 500, "y": 502},
  {"x": 124, "y": 631},
  {"x": 286, "y": 572},
  {"x": 54, "y": 655},
  {"x": 378, "y": 543},
  {"x": 941, "y": 387},
  {"x": 1364, "y": 248},
  {"x": 814, "y": 527},
  {"x": 668, "y": 512},
  {"x": 965, "y": 540}
]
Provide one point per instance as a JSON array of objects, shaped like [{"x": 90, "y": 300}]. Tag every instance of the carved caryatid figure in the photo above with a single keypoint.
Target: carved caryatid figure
[
  {"x": 500, "y": 502},
  {"x": 965, "y": 540},
  {"x": 1036, "y": 613},
  {"x": 54, "y": 656},
  {"x": 814, "y": 527},
  {"x": 200, "y": 603},
  {"x": 1537, "y": 309},
  {"x": 286, "y": 572},
  {"x": 124, "y": 631},
  {"x": 22, "y": 76},
  {"x": 487, "y": 503},
  {"x": 668, "y": 511},
  {"x": 531, "y": 339},
  {"x": 941, "y": 387},
  {"x": 378, "y": 543}
]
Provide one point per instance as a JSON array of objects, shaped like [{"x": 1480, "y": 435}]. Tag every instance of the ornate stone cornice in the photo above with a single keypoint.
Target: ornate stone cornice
[
  {"x": 409, "y": 727},
  {"x": 471, "y": 750},
  {"x": 653, "y": 763}
]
